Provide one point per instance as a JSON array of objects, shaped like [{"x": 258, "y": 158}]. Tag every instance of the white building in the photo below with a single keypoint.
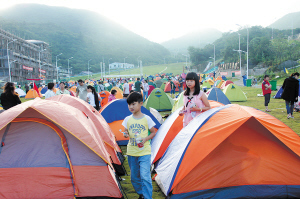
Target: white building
[{"x": 117, "y": 65}]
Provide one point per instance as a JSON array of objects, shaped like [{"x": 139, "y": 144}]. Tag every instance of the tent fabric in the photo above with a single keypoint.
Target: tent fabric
[
  {"x": 167, "y": 88},
  {"x": 163, "y": 86},
  {"x": 104, "y": 96},
  {"x": 115, "y": 112},
  {"x": 159, "y": 100},
  {"x": 31, "y": 94},
  {"x": 279, "y": 93},
  {"x": 178, "y": 102},
  {"x": 41, "y": 148},
  {"x": 158, "y": 82},
  {"x": 119, "y": 94},
  {"x": 73, "y": 88},
  {"x": 151, "y": 88},
  {"x": 44, "y": 90},
  {"x": 206, "y": 84},
  {"x": 245, "y": 150},
  {"x": 220, "y": 84},
  {"x": 217, "y": 95},
  {"x": 168, "y": 131},
  {"x": 152, "y": 84},
  {"x": 225, "y": 84},
  {"x": 234, "y": 93},
  {"x": 219, "y": 78},
  {"x": 157, "y": 115},
  {"x": 217, "y": 82},
  {"x": 211, "y": 82},
  {"x": 20, "y": 92},
  {"x": 101, "y": 125}
]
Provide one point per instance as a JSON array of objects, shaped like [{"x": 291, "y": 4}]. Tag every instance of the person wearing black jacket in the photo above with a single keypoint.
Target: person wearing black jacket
[
  {"x": 9, "y": 98},
  {"x": 290, "y": 93}
]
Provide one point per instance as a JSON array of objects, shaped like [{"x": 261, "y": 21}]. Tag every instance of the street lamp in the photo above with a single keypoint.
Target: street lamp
[
  {"x": 109, "y": 66},
  {"x": 56, "y": 65},
  {"x": 247, "y": 48},
  {"x": 10, "y": 66},
  {"x": 240, "y": 52},
  {"x": 185, "y": 60},
  {"x": 89, "y": 68},
  {"x": 69, "y": 66},
  {"x": 40, "y": 61},
  {"x": 138, "y": 61},
  {"x": 8, "y": 58},
  {"x": 214, "y": 54}
]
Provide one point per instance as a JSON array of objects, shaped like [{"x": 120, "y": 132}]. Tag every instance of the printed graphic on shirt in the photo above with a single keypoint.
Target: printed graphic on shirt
[{"x": 136, "y": 130}]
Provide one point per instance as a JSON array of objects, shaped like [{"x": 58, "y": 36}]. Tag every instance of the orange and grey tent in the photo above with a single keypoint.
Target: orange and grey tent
[
  {"x": 119, "y": 94},
  {"x": 232, "y": 152},
  {"x": 104, "y": 96},
  {"x": 115, "y": 112},
  {"x": 168, "y": 131},
  {"x": 31, "y": 94},
  {"x": 227, "y": 82},
  {"x": 101, "y": 125},
  {"x": 167, "y": 88},
  {"x": 53, "y": 153}
]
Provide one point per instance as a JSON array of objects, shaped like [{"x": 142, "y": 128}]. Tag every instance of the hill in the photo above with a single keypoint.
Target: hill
[
  {"x": 80, "y": 34},
  {"x": 287, "y": 22},
  {"x": 197, "y": 39}
]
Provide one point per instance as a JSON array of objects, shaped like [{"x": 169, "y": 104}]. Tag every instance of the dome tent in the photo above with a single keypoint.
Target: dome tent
[
  {"x": 159, "y": 100},
  {"x": 246, "y": 154}
]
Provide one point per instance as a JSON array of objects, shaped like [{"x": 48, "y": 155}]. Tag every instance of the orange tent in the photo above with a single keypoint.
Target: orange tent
[
  {"x": 119, "y": 92},
  {"x": 168, "y": 87},
  {"x": 246, "y": 154},
  {"x": 104, "y": 96},
  {"x": 53, "y": 153},
  {"x": 40, "y": 89},
  {"x": 101, "y": 125},
  {"x": 219, "y": 78},
  {"x": 168, "y": 131},
  {"x": 73, "y": 88},
  {"x": 31, "y": 94}
]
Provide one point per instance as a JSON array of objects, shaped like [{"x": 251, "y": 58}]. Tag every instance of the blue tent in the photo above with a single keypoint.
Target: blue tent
[
  {"x": 216, "y": 94},
  {"x": 224, "y": 78},
  {"x": 44, "y": 90},
  {"x": 278, "y": 94}
]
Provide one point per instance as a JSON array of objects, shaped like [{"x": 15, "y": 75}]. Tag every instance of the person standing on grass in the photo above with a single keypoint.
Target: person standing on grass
[
  {"x": 266, "y": 89},
  {"x": 290, "y": 93},
  {"x": 173, "y": 87},
  {"x": 139, "y": 148},
  {"x": 138, "y": 85},
  {"x": 194, "y": 100},
  {"x": 81, "y": 90},
  {"x": 145, "y": 90},
  {"x": 125, "y": 89},
  {"x": 93, "y": 97},
  {"x": 180, "y": 85}
]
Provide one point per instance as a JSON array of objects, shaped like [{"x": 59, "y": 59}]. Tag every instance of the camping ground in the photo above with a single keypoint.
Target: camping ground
[{"x": 277, "y": 107}]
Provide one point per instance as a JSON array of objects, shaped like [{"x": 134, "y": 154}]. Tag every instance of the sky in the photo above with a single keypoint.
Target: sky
[{"x": 163, "y": 20}]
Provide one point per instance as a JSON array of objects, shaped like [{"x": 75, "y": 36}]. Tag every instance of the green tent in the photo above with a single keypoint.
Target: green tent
[
  {"x": 234, "y": 93},
  {"x": 158, "y": 83},
  {"x": 159, "y": 100},
  {"x": 152, "y": 83},
  {"x": 178, "y": 102},
  {"x": 108, "y": 88},
  {"x": 206, "y": 84},
  {"x": 163, "y": 86}
]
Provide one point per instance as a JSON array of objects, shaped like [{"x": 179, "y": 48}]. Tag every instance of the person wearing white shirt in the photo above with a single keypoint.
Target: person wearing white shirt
[
  {"x": 145, "y": 90},
  {"x": 125, "y": 89},
  {"x": 93, "y": 97},
  {"x": 62, "y": 89},
  {"x": 50, "y": 90}
]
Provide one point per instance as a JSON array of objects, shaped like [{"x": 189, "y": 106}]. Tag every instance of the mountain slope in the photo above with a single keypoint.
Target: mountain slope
[
  {"x": 287, "y": 22},
  {"x": 80, "y": 34},
  {"x": 196, "y": 39}
]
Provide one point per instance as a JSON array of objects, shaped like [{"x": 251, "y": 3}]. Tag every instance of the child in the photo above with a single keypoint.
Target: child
[
  {"x": 266, "y": 89},
  {"x": 139, "y": 148},
  {"x": 112, "y": 95},
  {"x": 93, "y": 97},
  {"x": 195, "y": 101}
]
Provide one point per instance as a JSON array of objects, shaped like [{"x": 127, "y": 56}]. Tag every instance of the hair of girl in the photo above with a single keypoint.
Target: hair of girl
[
  {"x": 95, "y": 96},
  {"x": 192, "y": 76}
]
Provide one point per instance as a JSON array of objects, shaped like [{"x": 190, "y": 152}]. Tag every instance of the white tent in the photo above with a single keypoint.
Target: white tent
[{"x": 20, "y": 92}]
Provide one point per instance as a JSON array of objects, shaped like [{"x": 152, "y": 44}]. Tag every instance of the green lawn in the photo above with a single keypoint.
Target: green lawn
[{"x": 175, "y": 68}]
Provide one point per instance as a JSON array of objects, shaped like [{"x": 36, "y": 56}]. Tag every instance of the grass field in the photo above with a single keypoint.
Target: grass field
[
  {"x": 175, "y": 68},
  {"x": 278, "y": 110}
]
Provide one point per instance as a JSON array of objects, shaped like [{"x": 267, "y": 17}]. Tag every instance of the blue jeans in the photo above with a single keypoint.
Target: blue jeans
[
  {"x": 140, "y": 175},
  {"x": 145, "y": 95},
  {"x": 289, "y": 107},
  {"x": 172, "y": 91}
]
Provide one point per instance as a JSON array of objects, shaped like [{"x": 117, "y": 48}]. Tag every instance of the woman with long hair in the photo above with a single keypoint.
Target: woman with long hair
[
  {"x": 195, "y": 101},
  {"x": 93, "y": 97},
  {"x": 9, "y": 98}
]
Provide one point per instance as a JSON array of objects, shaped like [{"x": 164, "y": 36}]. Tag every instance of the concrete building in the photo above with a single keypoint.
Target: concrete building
[
  {"x": 25, "y": 58},
  {"x": 117, "y": 65}
]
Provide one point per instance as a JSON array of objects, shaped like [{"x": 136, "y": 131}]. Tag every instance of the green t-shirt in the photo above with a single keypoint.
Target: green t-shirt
[
  {"x": 172, "y": 85},
  {"x": 137, "y": 86}
]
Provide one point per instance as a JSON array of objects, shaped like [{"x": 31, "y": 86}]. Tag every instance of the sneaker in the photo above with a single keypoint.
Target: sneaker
[
  {"x": 292, "y": 117},
  {"x": 141, "y": 197},
  {"x": 289, "y": 116}
]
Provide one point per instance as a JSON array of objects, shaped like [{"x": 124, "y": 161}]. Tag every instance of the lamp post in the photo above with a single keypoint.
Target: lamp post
[
  {"x": 247, "y": 49},
  {"x": 69, "y": 66},
  {"x": 40, "y": 61},
  {"x": 138, "y": 61},
  {"x": 8, "y": 58},
  {"x": 56, "y": 66},
  {"x": 185, "y": 60},
  {"x": 109, "y": 66},
  {"x": 124, "y": 63},
  {"x": 89, "y": 68}
]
